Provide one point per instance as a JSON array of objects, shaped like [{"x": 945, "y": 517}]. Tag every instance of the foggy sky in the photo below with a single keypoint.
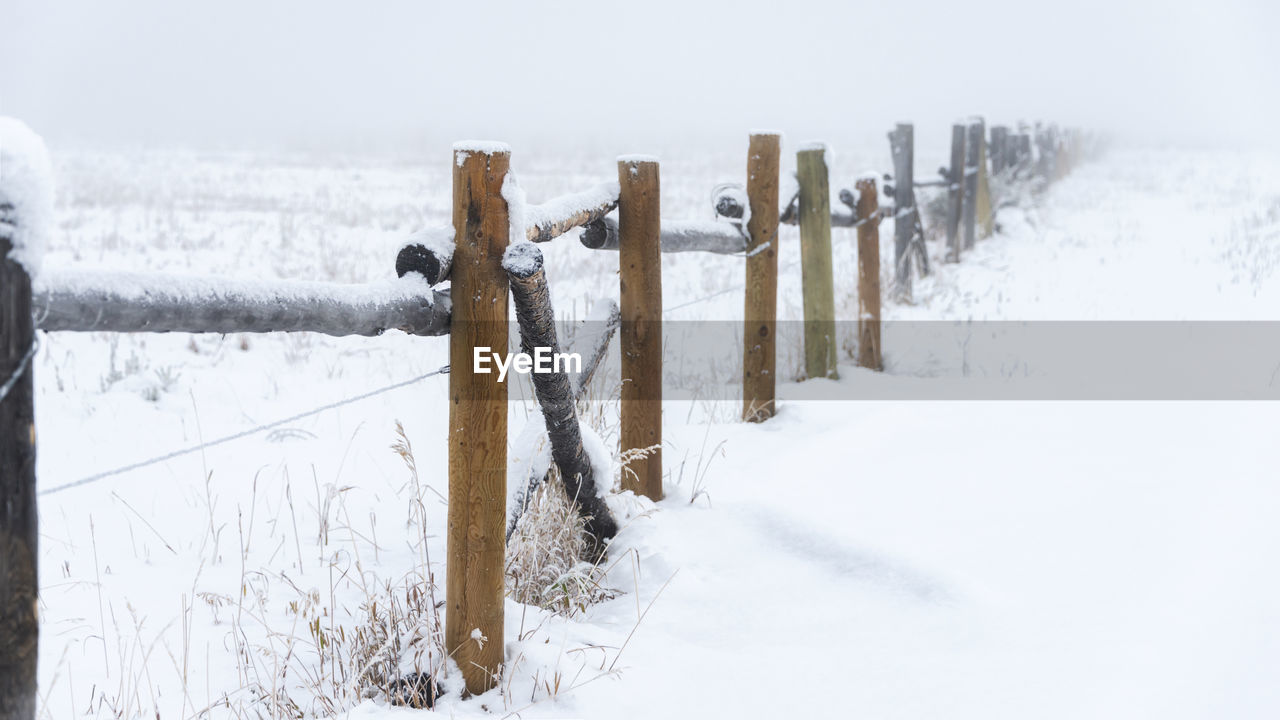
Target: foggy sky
[{"x": 247, "y": 74}]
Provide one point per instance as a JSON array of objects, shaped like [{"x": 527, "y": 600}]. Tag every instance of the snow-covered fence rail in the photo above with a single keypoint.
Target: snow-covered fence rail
[
  {"x": 429, "y": 252},
  {"x": 552, "y": 219},
  {"x": 710, "y": 236},
  {"x": 85, "y": 301}
]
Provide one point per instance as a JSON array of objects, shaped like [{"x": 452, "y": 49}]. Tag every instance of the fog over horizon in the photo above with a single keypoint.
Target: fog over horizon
[{"x": 381, "y": 76}]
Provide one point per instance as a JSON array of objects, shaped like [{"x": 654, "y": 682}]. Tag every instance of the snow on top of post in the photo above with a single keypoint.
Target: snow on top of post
[
  {"x": 488, "y": 147},
  {"x": 439, "y": 239},
  {"x": 558, "y": 209},
  {"x": 26, "y": 183},
  {"x": 772, "y": 133},
  {"x": 464, "y": 148},
  {"x": 812, "y": 145},
  {"x": 637, "y": 158},
  {"x": 522, "y": 259},
  {"x": 868, "y": 175}
]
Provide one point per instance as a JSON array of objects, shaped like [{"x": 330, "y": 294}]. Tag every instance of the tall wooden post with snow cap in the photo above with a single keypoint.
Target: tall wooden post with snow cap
[
  {"x": 902, "y": 149},
  {"x": 999, "y": 149},
  {"x": 25, "y": 212},
  {"x": 868, "y": 222},
  {"x": 477, "y": 416},
  {"x": 640, "y": 337},
  {"x": 759, "y": 351},
  {"x": 986, "y": 217},
  {"x": 816, "y": 274},
  {"x": 970, "y": 216},
  {"x": 955, "y": 191}
]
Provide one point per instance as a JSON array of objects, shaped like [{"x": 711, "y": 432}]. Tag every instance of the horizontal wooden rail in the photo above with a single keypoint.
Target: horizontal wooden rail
[
  {"x": 840, "y": 217},
  {"x": 556, "y": 217},
  {"x": 690, "y": 236},
  {"x": 430, "y": 251},
  {"x": 82, "y": 301}
]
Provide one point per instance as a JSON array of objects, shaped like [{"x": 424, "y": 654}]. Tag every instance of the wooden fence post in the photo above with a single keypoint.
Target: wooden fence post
[
  {"x": 640, "y": 337},
  {"x": 999, "y": 149},
  {"x": 815, "y": 263},
  {"x": 902, "y": 148},
  {"x": 986, "y": 218},
  {"x": 955, "y": 191},
  {"x": 1044, "y": 161},
  {"x": 477, "y": 416},
  {"x": 19, "y": 626},
  {"x": 868, "y": 274},
  {"x": 971, "y": 185},
  {"x": 760, "y": 313}
]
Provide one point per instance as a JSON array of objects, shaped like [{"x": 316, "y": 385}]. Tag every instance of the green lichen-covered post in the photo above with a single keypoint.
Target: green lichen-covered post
[{"x": 815, "y": 263}]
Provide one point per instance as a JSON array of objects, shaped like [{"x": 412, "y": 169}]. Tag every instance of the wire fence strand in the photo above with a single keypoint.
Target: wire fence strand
[
  {"x": 22, "y": 367},
  {"x": 242, "y": 434}
]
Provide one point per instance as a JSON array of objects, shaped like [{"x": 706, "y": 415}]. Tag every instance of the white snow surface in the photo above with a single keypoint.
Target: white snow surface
[
  {"x": 26, "y": 183},
  {"x": 865, "y": 559}
]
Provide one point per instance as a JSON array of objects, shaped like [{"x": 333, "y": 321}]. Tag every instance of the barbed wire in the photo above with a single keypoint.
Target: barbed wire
[{"x": 242, "y": 434}]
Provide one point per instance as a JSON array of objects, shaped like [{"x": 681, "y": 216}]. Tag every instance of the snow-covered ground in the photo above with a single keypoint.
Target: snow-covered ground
[{"x": 869, "y": 559}]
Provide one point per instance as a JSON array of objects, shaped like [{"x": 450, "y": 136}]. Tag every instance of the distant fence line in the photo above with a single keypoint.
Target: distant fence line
[{"x": 487, "y": 258}]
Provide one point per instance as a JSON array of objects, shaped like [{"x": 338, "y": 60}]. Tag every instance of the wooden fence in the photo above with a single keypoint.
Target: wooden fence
[{"x": 485, "y": 266}]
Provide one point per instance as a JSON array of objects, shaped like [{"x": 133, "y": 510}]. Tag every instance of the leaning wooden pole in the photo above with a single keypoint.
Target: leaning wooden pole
[
  {"x": 901, "y": 146},
  {"x": 759, "y": 352},
  {"x": 816, "y": 275},
  {"x": 640, "y": 338},
  {"x": 955, "y": 190},
  {"x": 868, "y": 274},
  {"x": 477, "y": 417},
  {"x": 556, "y": 399},
  {"x": 19, "y": 627}
]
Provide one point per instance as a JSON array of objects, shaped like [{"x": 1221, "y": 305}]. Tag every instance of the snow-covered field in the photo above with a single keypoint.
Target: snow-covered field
[{"x": 862, "y": 559}]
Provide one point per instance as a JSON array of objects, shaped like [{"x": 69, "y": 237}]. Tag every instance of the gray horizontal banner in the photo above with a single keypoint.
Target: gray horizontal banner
[{"x": 974, "y": 360}]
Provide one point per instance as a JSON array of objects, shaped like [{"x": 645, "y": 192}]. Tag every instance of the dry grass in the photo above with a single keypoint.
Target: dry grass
[
  {"x": 392, "y": 651},
  {"x": 545, "y": 555}
]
